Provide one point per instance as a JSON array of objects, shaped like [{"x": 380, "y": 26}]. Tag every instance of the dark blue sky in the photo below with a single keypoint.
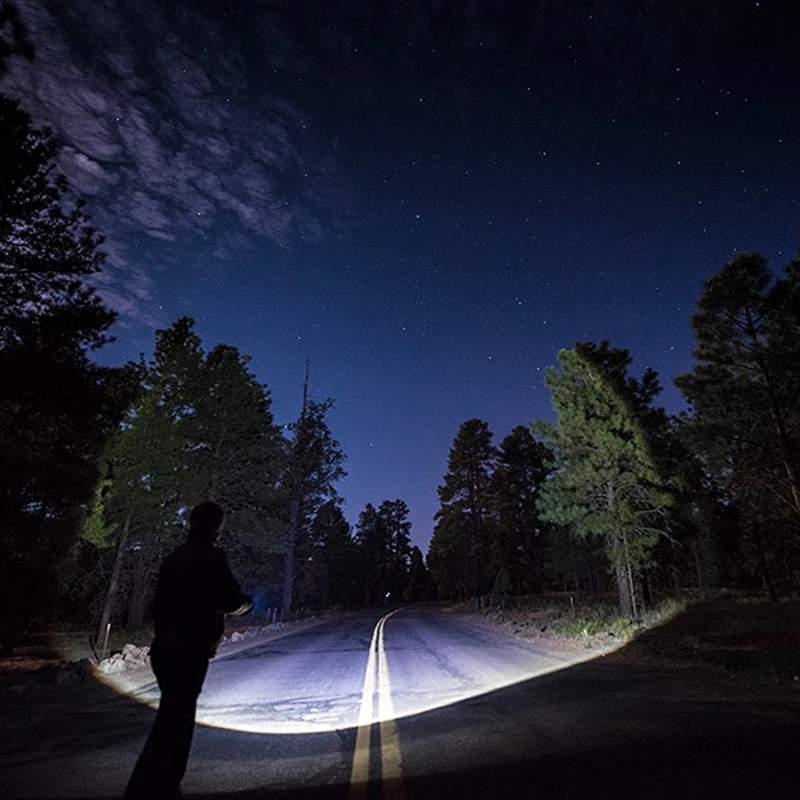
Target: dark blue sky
[{"x": 425, "y": 199}]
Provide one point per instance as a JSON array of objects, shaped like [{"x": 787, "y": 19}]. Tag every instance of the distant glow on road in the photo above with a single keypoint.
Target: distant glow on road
[{"x": 304, "y": 716}]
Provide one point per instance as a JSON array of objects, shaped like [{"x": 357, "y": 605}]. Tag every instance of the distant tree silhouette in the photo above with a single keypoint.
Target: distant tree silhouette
[
  {"x": 458, "y": 556},
  {"x": 327, "y": 566},
  {"x": 420, "y": 583},
  {"x": 314, "y": 464},
  {"x": 394, "y": 514},
  {"x": 518, "y": 547},
  {"x": 373, "y": 539}
]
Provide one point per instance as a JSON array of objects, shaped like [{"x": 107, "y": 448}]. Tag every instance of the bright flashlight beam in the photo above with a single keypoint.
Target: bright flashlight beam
[{"x": 236, "y": 705}]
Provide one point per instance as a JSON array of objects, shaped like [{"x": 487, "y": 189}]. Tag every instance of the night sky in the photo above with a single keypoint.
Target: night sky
[{"x": 426, "y": 199}]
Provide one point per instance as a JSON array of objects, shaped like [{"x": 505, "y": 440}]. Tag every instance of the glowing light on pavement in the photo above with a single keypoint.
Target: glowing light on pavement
[{"x": 329, "y": 690}]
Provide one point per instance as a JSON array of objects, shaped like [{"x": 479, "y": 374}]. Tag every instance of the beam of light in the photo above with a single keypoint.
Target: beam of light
[{"x": 354, "y": 712}]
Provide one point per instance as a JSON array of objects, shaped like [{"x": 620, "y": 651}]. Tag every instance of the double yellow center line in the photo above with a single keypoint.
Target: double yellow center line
[{"x": 376, "y": 680}]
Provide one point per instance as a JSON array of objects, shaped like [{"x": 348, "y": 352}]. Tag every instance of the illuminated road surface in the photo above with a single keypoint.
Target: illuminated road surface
[
  {"x": 314, "y": 680},
  {"x": 418, "y": 704}
]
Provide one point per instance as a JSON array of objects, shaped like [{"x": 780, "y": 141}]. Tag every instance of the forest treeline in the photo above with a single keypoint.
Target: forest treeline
[
  {"x": 100, "y": 465},
  {"x": 617, "y": 494}
]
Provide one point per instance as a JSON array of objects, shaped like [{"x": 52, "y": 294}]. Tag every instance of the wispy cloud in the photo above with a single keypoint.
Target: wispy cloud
[
  {"x": 179, "y": 128},
  {"x": 169, "y": 139}
]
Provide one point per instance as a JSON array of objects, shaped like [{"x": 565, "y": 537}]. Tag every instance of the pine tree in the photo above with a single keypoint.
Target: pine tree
[
  {"x": 329, "y": 559},
  {"x": 150, "y": 468},
  {"x": 238, "y": 458},
  {"x": 459, "y": 550},
  {"x": 606, "y": 482},
  {"x": 373, "y": 539},
  {"x": 394, "y": 514},
  {"x": 448, "y": 559},
  {"x": 314, "y": 464},
  {"x": 745, "y": 394},
  {"x": 57, "y": 407},
  {"x": 47, "y": 246},
  {"x": 520, "y": 541},
  {"x": 202, "y": 429},
  {"x": 420, "y": 584}
]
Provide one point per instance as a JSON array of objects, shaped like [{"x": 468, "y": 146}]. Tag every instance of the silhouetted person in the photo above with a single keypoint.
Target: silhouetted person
[{"x": 195, "y": 589}]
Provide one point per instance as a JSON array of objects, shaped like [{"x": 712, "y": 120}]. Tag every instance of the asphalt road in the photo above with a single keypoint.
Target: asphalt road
[{"x": 416, "y": 704}]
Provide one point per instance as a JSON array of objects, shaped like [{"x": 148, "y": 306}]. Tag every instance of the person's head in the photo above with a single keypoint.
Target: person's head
[{"x": 205, "y": 521}]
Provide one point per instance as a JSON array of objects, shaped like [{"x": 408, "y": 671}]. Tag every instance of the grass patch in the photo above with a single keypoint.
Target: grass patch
[
  {"x": 727, "y": 635},
  {"x": 560, "y": 617},
  {"x": 591, "y": 622}
]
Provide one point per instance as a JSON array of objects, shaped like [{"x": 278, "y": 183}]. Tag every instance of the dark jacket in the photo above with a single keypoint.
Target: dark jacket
[{"x": 194, "y": 591}]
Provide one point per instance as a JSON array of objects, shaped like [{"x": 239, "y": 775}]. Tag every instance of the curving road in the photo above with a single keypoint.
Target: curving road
[
  {"x": 417, "y": 703},
  {"x": 315, "y": 680}
]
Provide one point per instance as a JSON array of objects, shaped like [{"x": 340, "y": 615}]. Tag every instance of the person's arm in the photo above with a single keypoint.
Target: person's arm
[{"x": 228, "y": 595}]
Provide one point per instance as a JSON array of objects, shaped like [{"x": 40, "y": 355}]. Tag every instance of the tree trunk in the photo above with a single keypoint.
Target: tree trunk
[
  {"x": 698, "y": 569},
  {"x": 141, "y": 585},
  {"x": 631, "y": 585},
  {"x": 575, "y": 579},
  {"x": 288, "y": 560},
  {"x": 623, "y": 587},
  {"x": 627, "y": 602},
  {"x": 765, "y": 573},
  {"x": 294, "y": 512},
  {"x": 113, "y": 585}
]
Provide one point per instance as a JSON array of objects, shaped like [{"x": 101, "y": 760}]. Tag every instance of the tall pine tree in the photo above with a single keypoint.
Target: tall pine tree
[
  {"x": 606, "y": 482},
  {"x": 314, "y": 463},
  {"x": 520, "y": 541},
  {"x": 202, "y": 429},
  {"x": 329, "y": 575},
  {"x": 460, "y": 546},
  {"x": 744, "y": 391},
  {"x": 373, "y": 541},
  {"x": 394, "y": 514},
  {"x": 57, "y": 407}
]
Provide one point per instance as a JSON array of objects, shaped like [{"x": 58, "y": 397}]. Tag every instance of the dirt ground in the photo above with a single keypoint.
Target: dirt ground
[{"x": 63, "y": 655}]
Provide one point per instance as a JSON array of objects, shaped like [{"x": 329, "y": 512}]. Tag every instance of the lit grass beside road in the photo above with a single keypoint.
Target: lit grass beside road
[
  {"x": 562, "y": 617},
  {"x": 735, "y": 636}
]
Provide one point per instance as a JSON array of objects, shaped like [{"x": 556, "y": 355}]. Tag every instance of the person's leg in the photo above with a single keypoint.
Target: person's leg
[
  {"x": 162, "y": 764},
  {"x": 181, "y": 714}
]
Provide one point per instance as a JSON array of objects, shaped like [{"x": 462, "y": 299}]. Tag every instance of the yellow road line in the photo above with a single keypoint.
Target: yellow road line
[
  {"x": 359, "y": 775},
  {"x": 391, "y": 760}
]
